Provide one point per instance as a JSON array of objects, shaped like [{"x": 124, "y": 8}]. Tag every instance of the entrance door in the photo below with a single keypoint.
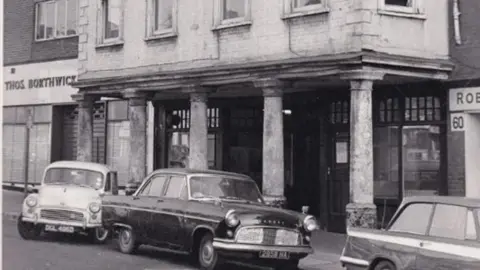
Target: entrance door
[{"x": 338, "y": 180}]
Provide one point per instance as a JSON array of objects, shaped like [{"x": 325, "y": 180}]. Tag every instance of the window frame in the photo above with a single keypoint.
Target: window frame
[
  {"x": 101, "y": 23},
  {"x": 416, "y": 8},
  {"x": 220, "y": 22},
  {"x": 291, "y": 11},
  {"x": 152, "y": 33},
  {"x": 55, "y": 37},
  {"x": 146, "y": 183},
  {"x": 185, "y": 186}
]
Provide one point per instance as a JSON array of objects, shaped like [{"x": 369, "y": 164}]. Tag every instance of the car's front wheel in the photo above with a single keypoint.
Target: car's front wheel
[
  {"x": 288, "y": 265},
  {"x": 207, "y": 256},
  {"x": 385, "y": 265},
  {"x": 28, "y": 230},
  {"x": 126, "y": 241}
]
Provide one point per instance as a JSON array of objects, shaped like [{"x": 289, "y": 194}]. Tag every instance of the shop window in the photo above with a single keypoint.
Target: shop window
[
  {"x": 423, "y": 109},
  {"x": 389, "y": 110},
  {"x": 340, "y": 112},
  {"x": 56, "y": 19},
  {"x": 386, "y": 162},
  {"x": 118, "y": 143},
  {"x": 246, "y": 118}
]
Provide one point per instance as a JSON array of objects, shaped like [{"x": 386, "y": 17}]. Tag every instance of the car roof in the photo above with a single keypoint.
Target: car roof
[
  {"x": 82, "y": 165},
  {"x": 455, "y": 200},
  {"x": 186, "y": 171}
]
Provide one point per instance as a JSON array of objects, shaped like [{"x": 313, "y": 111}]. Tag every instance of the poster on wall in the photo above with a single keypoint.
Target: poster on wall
[{"x": 341, "y": 150}]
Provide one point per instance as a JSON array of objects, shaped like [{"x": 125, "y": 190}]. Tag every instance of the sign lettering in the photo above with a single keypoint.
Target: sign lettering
[
  {"x": 40, "y": 83},
  {"x": 457, "y": 122}
]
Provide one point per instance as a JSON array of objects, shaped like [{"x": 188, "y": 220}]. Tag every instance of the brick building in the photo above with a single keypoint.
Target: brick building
[
  {"x": 464, "y": 99},
  {"x": 339, "y": 105},
  {"x": 40, "y": 61}
]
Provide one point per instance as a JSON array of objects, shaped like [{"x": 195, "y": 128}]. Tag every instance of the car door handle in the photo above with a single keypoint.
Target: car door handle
[
  {"x": 159, "y": 200},
  {"x": 424, "y": 244}
]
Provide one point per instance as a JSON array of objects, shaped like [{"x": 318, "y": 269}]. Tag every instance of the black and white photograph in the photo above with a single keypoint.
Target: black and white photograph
[{"x": 240, "y": 134}]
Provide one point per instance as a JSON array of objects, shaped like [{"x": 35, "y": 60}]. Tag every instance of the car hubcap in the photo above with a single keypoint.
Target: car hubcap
[
  {"x": 207, "y": 252},
  {"x": 125, "y": 237},
  {"x": 101, "y": 233}
]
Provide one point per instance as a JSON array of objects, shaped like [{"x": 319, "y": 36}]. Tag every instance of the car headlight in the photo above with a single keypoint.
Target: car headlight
[
  {"x": 94, "y": 207},
  {"x": 231, "y": 219},
  {"x": 310, "y": 223},
  {"x": 31, "y": 201}
]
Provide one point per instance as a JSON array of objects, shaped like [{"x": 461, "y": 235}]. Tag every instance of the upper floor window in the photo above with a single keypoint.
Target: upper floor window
[
  {"x": 302, "y": 4},
  {"x": 110, "y": 22},
  {"x": 162, "y": 17},
  {"x": 56, "y": 19},
  {"x": 402, "y": 6},
  {"x": 295, "y": 8},
  {"x": 232, "y": 11}
]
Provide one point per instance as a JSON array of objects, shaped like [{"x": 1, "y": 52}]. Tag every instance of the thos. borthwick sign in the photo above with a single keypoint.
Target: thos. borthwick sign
[{"x": 39, "y": 82}]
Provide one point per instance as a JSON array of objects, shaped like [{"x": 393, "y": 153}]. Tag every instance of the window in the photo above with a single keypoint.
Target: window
[
  {"x": 420, "y": 212},
  {"x": 385, "y": 162},
  {"x": 304, "y": 7},
  {"x": 402, "y": 3},
  {"x": 233, "y": 11},
  {"x": 111, "y": 20},
  {"x": 449, "y": 222},
  {"x": 401, "y": 6},
  {"x": 56, "y": 19},
  {"x": 175, "y": 187},
  {"x": 162, "y": 17},
  {"x": 470, "y": 229},
  {"x": 155, "y": 187}
]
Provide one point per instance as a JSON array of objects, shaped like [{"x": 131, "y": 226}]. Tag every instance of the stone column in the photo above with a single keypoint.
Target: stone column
[
  {"x": 273, "y": 156},
  {"x": 361, "y": 211},
  {"x": 138, "y": 137},
  {"x": 85, "y": 126},
  {"x": 198, "y": 137}
]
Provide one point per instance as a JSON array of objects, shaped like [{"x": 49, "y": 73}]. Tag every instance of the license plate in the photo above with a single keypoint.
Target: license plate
[
  {"x": 269, "y": 254},
  {"x": 62, "y": 229}
]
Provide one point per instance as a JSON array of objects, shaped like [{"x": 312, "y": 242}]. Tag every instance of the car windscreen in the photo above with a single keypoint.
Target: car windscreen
[
  {"x": 72, "y": 176},
  {"x": 224, "y": 188}
]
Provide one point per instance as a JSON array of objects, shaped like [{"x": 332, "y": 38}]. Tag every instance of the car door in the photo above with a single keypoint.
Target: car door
[
  {"x": 452, "y": 241},
  {"x": 404, "y": 234},
  {"x": 170, "y": 225}
]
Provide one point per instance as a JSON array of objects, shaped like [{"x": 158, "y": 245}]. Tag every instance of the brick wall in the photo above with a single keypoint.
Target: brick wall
[
  {"x": 455, "y": 161},
  {"x": 349, "y": 26},
  {"x": 19, "y": 31}
]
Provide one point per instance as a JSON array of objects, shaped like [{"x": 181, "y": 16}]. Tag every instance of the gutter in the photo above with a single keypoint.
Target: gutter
[{"x": 456, "y": 22}]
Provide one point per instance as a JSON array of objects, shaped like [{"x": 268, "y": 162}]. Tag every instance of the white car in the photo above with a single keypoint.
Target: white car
[{"x": 69, "y": 201}]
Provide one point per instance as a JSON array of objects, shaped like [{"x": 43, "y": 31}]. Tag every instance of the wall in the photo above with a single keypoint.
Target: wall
[
  {"x": 349, "y": 26},
  {"x": 19, "y": 31},
  {"x": 472, "y": 156}
]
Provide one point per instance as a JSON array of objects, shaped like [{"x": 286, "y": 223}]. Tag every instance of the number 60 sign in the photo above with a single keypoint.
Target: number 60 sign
[{"x": 457, "y": 121}]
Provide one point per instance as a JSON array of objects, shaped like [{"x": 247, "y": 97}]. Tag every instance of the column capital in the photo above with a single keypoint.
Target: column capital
[
  {"x": 83, "y": 99},
  {"x": 362, "y": 75},
  {"x": 135, "y": 97},
  {"x": 271, "y": 87}
]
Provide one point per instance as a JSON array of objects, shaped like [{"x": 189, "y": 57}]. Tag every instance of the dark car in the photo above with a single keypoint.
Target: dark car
[
  {"x": 426, "y": 233},
  {"x": 214, "y": 216}
]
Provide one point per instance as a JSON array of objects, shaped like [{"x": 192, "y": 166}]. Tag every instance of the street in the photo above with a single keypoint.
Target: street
[{"x": 54, "y": 253}]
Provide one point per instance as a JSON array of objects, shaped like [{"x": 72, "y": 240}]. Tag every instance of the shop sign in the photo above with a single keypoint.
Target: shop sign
[
  {"x": 457, "y": 122},
  {"x": 39, "y": 83},
  {"x": 464, "y": 99}
]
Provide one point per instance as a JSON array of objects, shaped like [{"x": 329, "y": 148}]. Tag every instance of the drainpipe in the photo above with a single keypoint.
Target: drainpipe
[{"x": 456, "y": 22}]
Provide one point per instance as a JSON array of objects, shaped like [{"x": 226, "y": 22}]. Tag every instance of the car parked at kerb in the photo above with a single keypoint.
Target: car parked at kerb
[{"x": 213, "y": 216}]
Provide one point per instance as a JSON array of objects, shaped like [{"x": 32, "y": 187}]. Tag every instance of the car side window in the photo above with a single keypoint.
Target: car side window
[
  {"x": 420, "y": 212},
  {"x": 155, "y": 187},
  {"x": 449, "y": 221},
  {"x": 470, "y": 229},
  {"x": 175, "y": 187}
]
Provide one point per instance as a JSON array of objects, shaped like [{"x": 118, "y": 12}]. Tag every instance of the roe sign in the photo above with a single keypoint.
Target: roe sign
[{"x": 464, "y": 99}]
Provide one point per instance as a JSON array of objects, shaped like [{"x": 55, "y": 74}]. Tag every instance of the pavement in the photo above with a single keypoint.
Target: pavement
[{"x": 60, "y": 254}]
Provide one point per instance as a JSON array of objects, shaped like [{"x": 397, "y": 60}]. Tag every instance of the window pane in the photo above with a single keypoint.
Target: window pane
[
  {"x": 385, "y": 155},
  {"x": 175, "y": 187},
  {"x": 419, "y": 212},
  {"x": 405, "y": 3},
  {"x": 470, "y": 231},
  {"x": 42, "y": 113},
  {"x": 163, "y": 14},
  {"x": 421, "y": 160},
  {"x": 112, "y": 18},
  {"x": 146, "y": 190},
  {"x": 449, "y": 221},
  {"x": 72, "y": 17},
  {"x": 41, "y": 21},
  {"x": 9, "y": 115},
  {"x": 50, "y": 20},
  {"x": 61, "y": 16},
  {"x": 156, "y": 188},
  {"x": 303, "y": 3},
  {"x": 233, "y": 9}
]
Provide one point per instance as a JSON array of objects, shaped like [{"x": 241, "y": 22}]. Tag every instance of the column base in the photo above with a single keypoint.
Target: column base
[
  {"x": 361, "y": 215},
  {"x": 275, "y": 201}
]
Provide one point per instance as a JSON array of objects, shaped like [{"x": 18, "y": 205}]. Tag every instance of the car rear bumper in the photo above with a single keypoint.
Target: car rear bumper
[
  {"x": 353, "y": 263},
  {"x": 226, "y": 245}
]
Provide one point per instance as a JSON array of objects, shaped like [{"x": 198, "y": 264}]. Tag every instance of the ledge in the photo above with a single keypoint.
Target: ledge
[
  {"x": 418, "y": 16},
  {"x": 231, "y": 25},
  {"x": 298, "y": 14},
  {"x": 162, "y": 36},
  {"x": 118, "y": 43}
]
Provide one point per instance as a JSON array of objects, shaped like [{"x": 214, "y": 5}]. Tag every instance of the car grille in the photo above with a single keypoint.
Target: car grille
[
  {"x": 61, "y": 215},
  {"x": 268, "y": 236}
]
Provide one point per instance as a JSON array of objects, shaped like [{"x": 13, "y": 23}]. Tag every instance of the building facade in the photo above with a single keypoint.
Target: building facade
[
  {"x": 39, "y": 116},
  {"x": 464, "y": 99},
  {"x": 323, "y": 103}
]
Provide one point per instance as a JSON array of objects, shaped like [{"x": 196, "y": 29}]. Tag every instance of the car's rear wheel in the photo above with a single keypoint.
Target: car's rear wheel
[
  {"x": 28, "y": 230},
  {"x": 126, "y": 241},
  {"x": 288, "y": 265},
  {"x": 385, "y": 265},
  {"x": 207, "y": 256}
]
